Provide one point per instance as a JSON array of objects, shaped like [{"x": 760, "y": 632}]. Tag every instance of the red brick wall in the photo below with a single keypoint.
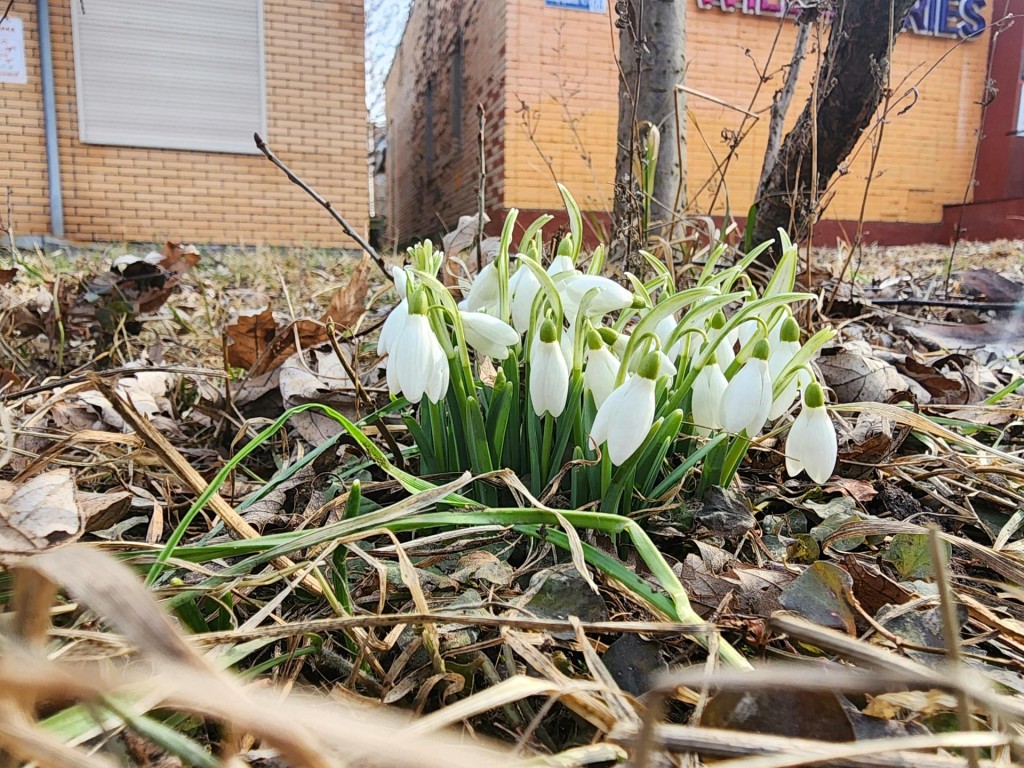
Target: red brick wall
[{"x": 426, "y": 194}]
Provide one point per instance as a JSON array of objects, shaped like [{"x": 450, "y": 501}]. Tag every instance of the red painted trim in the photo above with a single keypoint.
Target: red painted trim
[
  {"x": 988, "y": 220},
  {"x": 1000, "y": 172}
]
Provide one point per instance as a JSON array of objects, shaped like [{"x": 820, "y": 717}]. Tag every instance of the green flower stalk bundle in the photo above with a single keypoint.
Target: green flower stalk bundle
[{"x": 604, "y": 395}]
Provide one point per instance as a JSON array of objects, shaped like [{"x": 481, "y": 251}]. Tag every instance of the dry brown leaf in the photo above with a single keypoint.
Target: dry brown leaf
[
  {"x": 349, "y": 303},
  {"x": 103, "y": 510},
  {"x": 890, "y": 705},
  {"x": 258, "y": 344},
  {"x": 858, "y": 378},
  {"x": 39, "y": 514}
]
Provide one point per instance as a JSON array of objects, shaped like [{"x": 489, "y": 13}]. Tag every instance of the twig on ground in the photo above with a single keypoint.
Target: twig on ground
[{"x": 261, "y": 145}]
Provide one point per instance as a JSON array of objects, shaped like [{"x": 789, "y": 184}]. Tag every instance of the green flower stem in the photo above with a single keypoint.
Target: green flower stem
[{"x": 545, "y": 448}]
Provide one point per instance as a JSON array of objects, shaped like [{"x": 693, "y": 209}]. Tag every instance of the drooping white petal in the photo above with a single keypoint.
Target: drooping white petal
[
  {"x": 488, "y": 335},
  {"x": 412, "y": 357},
  {"x": 747, "y": 399},
  {"x": 438, "y": 378},
  {"x": 625, "y": 418},
  {"x": 708, "y": 388},
  {"x": 745, "y": 331},
  {"x": 483, "y": 294},
  {"x": 392, "y": 327},
  {"x": 401, "y": 278},
  {"x": 609, "y": 296},
  {"x": 549, "y": 378},
  {"x": 524, "y": 287},
  {"x": 599, "y": 374},
  {"x": 561, "y": 264},
  {"x": 811, "y": 445}
]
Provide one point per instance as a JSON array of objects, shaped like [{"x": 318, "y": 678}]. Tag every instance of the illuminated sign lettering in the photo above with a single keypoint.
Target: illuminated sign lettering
[{"x": 938, "y": 18}]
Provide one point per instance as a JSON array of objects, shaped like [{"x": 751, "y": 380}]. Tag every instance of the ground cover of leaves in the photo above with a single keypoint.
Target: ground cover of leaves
[{"x": 130, "y": 380}]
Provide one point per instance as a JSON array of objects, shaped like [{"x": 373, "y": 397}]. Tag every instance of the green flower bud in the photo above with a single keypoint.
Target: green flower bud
[
  {"x": 649, "y": 366},
  {"x": 762, "y": 350},
  {"x": 718, "y": 320},
  {"x": 565, "y": 246},
  {"x": 790, "y": 330},
  {"x": 608, "y": 335},
  {"x": 814, "y": 397},
  {"x": 594, "y": 340},
  {"x": 418, "y": 303},
  {"x": 548, "y": 332}
]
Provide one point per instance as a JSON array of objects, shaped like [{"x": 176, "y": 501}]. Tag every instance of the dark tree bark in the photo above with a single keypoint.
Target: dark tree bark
[
  {"x": 652, "y": 42},
  {"x": 848, "y": 91}
]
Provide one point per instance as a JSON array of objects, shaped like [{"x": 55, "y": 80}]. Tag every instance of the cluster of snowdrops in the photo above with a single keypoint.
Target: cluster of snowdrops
[{"x": 583, "y": 386}]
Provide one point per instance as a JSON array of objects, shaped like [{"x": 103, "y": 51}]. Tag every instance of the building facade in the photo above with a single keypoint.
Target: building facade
[
  {"x": 133, "y": 120},
  {"x": 545, "y": 72}
]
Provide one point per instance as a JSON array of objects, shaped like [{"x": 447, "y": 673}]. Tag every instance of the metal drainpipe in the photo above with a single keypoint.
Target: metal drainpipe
[{"x": 50, "y": 119}]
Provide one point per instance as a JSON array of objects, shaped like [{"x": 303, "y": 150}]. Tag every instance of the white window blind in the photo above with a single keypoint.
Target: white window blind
[{"x": 170, "y": 74}]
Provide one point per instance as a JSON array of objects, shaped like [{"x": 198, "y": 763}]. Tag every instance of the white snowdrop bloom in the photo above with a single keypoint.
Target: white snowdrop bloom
[
  {"x": 488, "y": 335},
  {"x": 417, "y": 364},
  {"x": 601, "y": 368},
  {"x": 392, "y": 327},
  {"x": 724, "y": 353},
  {"x": 626, "y": 416},
  {"x": 664, "y": 330},
  {"x": 549, "y": 375},
  {"x": 785, "y": 348},
  {"x": 523, "y": 288},
  {"x": 609, "y": 296},
  {"x": 560, "y": 264},
  {"x": 483, "y": 293},
  {"x": 708, "y": 388},
  {"x": 748, "y": 397},
  {"x": 811, "y": 445},
  {"x": 746, "y": 330},
  {"x": 396, "y": 318}
]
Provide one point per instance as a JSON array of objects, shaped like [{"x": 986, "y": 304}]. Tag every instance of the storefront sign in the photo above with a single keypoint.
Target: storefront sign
[
  {"x": 938, "y": 18},
  {"x": 595, "y": 6},
  {"x": 12, "y": 52}
]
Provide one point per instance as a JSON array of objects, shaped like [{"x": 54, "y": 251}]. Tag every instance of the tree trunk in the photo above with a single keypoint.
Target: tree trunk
[
  {"x": 848, "y": 91},
  {"x": 652, "y": 41}
]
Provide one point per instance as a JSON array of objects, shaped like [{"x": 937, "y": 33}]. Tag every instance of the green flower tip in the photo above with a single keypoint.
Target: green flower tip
[
  {"x": 418, "y": 302},
  {"x": 608, "y": 335},
  {"x": 565, "y": 247},
  {"x": 790, "y": 330},
  {"x": 594, "y": 341},
  {"x": 499, "y": 379},
  {"x": 814, "y": 397},
  {"x": 718, "y": 320},
  {"x": 649, "y": 366},
  {"x": 548, "y": 332},
  {"x": 762, "y": 351}
]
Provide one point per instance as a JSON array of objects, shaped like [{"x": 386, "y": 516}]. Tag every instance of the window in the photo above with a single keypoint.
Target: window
[{"x": 170, "y": 74}]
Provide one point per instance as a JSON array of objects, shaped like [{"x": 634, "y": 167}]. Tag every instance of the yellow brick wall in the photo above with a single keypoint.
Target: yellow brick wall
[
  {"x": 316, "y": 124},
  {"x": 561, "y": 63},
  {"x": 427, "y": 195}
]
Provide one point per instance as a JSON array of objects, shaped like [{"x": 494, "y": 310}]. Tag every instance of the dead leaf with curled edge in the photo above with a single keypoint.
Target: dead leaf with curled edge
[
  {"x": 39, "y": 514},
  {"x": 859, "y": 378}
]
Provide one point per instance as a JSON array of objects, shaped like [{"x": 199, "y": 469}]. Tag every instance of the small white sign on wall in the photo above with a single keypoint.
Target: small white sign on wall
[{"x": 12, "y": 52}]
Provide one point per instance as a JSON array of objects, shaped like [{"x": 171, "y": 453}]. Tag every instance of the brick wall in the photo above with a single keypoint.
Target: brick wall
[
  {"x": 561, "y": 65},
  {"x": 432, "y": 143},
  {"x": 316, "y": 124}
]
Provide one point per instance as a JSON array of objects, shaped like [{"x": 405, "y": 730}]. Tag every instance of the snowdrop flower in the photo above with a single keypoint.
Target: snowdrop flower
[
  {"x": 488, "y": 335},
  {"x": 625, "y": 418},
  {"x": 396, "y": 319},
  {"x": 782, "y": 353},
  {"x": 811, "y": 446},
  {"x": 561, "y": 263},
  {"x": 523, "y": 288},
  {"x": 483, "y": 293},
  {"x": 708, "y": 388},
  {"x": 601, "y": 368},
  {"x": 748, "y": 398},
  {"x": 417, "y": 364},
  {"x": 549, "y": 375},
  {"x": 664, "y": 330},
  {"x": 723, "y": 352},
  {"x": 609, "y": 296}
]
